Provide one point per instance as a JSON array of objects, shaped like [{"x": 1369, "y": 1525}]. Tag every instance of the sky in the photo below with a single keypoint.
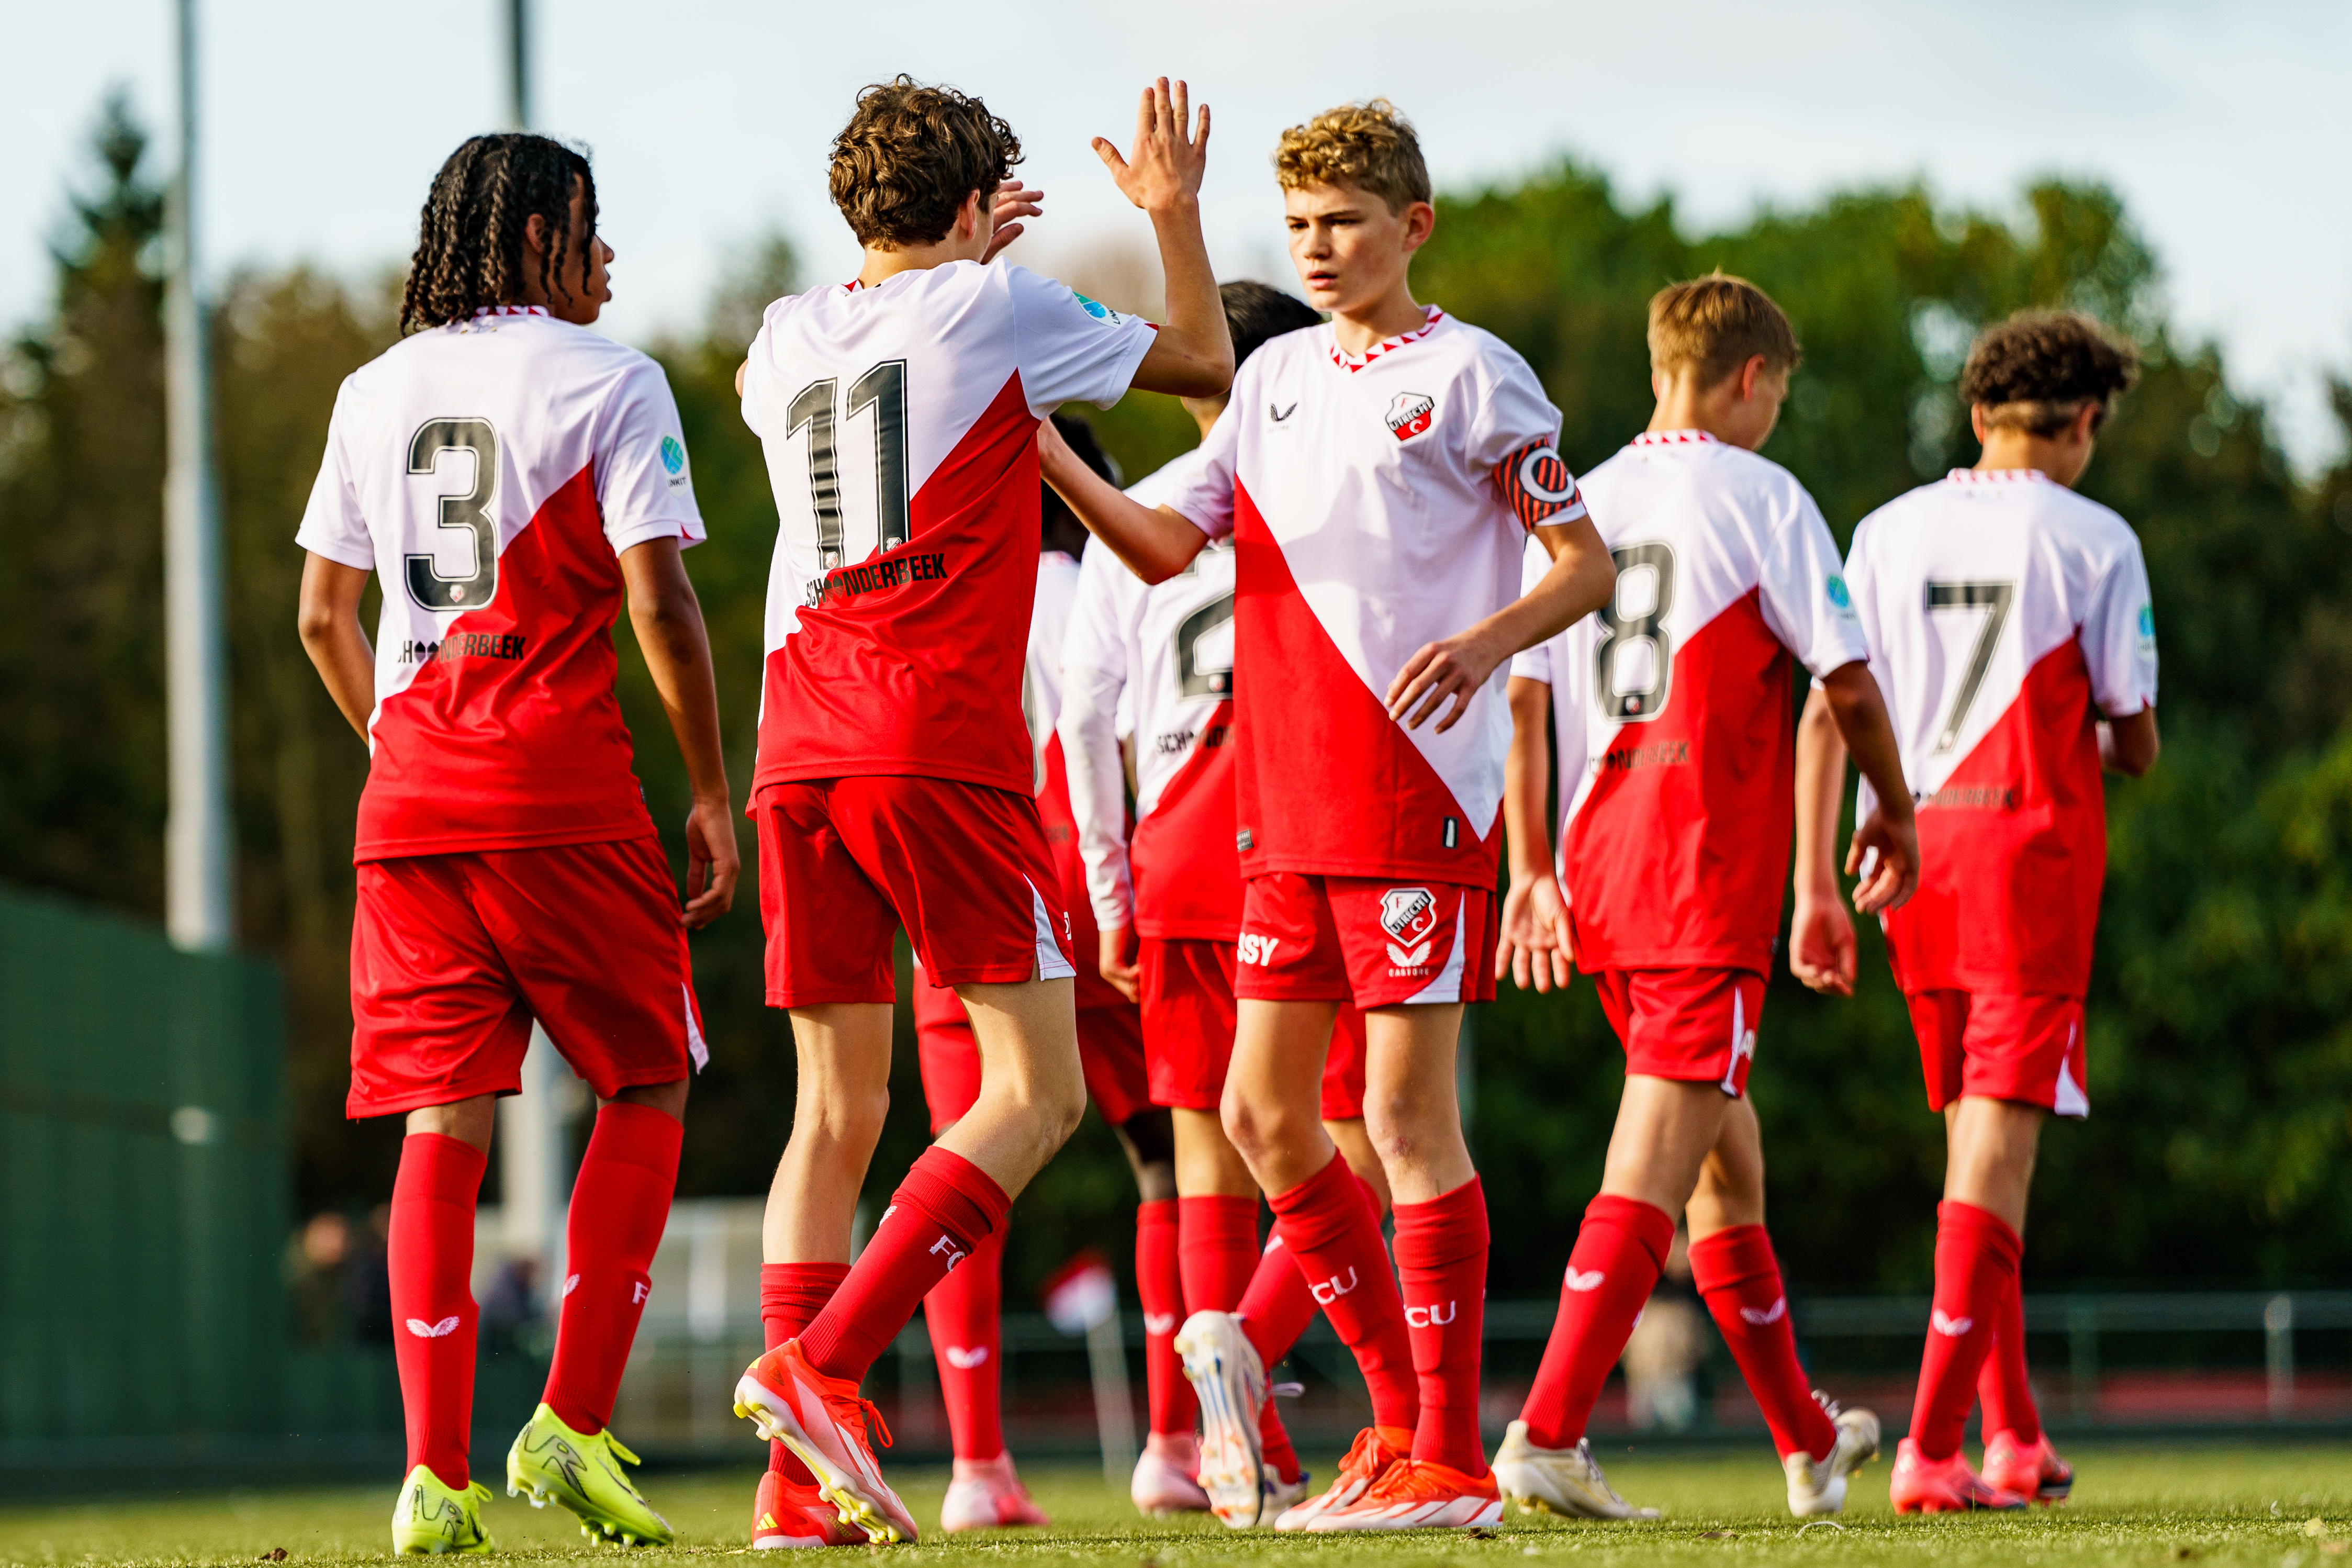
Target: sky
[{"x": 2221, "y": 126}]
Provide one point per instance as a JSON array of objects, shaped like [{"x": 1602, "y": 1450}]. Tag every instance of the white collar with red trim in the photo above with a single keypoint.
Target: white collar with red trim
[
  {"x": 1675, "y": 438},
  {"x": 511, "y": 310},
  {"x": 1352, "y": 362},
  {"x": 1998, "y": 477}
]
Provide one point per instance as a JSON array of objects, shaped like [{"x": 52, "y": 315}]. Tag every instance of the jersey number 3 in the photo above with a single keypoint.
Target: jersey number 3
[
  {"x": 468, "y": 513},
  {"x": 884, "y": 390},
  {"x": 1620, "y": 633}
]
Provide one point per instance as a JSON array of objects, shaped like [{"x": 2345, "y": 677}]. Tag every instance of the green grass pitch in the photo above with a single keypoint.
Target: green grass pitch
[{"x": 2277, "y": 1507}]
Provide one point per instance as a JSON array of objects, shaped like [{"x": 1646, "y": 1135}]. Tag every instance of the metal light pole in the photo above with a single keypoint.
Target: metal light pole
[
  {"x": 199, "y": 861},
  {"x": 517, "y": 65}
]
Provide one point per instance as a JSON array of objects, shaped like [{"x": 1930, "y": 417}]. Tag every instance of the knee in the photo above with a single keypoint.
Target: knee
[
  {"x": 1400, "y": 1129},
  {"x": 1057, "y": 1108},
  {"x": 1255, "y": 1128},
  {"x": 852, "y": 1119}
]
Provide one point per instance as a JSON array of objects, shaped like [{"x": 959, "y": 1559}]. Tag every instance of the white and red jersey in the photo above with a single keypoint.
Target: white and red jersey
[
  {"x": 1044, "y": 690},
  {"x": 491, "y": 473},
  {"x": 1369, "y": 501},
  {"x": 2005, "y": 614},
  {"x": 900, "y": 423},
  {"x": 1168, "y": 651},
  {"x": 1674, "y": 704}
]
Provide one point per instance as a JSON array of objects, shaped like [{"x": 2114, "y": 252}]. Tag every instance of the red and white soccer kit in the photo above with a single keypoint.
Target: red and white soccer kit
[
  {"x": 2005, "y": 614},
  {"x": 1377, "y": 504},
  {"x": 896, "y": 780},
  {"x": 491, "y": 473},
  {"x": 1677, "y": 748},
  {"x": 1166, "y": 652},
  {"x": 1110, "y": 1029}
]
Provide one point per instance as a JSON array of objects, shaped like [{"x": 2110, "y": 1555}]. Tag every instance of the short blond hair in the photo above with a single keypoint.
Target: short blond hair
[
  {"x": 1716, "y": 324},
  {"x": 1367, "y": 145}
]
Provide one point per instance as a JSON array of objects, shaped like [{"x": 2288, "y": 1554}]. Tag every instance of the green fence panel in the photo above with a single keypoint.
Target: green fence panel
[{"x": 143, "y": 1182}]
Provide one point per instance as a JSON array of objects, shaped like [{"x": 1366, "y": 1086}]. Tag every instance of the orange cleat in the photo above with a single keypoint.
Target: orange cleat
[
  {"x": 1941, "y": 1486},
  {"x": 2032, "y": 1470},
  {"x": 1419, "y": 1494},
  {"x": 822, "y": 1421},
  {"x": 1376, "y": 1452},
  {"x": 784, "y": 1515}
]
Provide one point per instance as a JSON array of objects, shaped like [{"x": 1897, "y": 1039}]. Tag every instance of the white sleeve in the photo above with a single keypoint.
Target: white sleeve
[
  {"x": 2118, "y": 638},
  {"x": 1069, "y": 348},
  {"x": 1534, "y": 663},
  {"x": 1203, "y": 493},
  {"x": 332, "y": 525},
  {"x": 1094, "y": 678},
  {"x": 1807, "y": 601},
  {"x": 642, "y": 486},
  {"x": 1513, "y": 414}
]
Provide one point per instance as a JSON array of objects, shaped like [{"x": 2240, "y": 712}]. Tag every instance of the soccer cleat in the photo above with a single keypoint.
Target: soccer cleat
[
  {"x": 785, "y": 1515},
  {"x": 431, "y": 1518},
  {"x": 1419, "y": 1494},
  {"x": 2034, "y": 1471},
  {"x": 1282, "y": 1495},
  {"x": 1371, "y": 1456},
  {"x": 1230, "y": 1382},
  {"x": 552, "y": 1463},
  {"x": 1818, "y": 1486},
  {"x": 822, "y": 1421},
  {"x": 1941, "y": 1486},
  {"x": 1558, "y": 1481},
  {"x": 985, "y": 1494},
  {"x": 1164, "y": 1473}
]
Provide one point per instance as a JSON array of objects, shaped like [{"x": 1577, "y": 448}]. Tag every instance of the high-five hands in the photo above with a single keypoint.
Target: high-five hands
[
  {"x": 1014, "y": 201},
  {"x": 1163, "y": 171}
]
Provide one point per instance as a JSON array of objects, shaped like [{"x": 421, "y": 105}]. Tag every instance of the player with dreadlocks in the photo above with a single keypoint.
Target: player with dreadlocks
[{"x": 512, "y": 478}]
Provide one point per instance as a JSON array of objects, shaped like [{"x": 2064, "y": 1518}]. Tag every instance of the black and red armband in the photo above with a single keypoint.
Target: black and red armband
[{"x": 1538, "y": 487}]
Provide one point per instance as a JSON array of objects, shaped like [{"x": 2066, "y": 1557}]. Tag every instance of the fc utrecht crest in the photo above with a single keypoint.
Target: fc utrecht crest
[
  {"x": 1409, "y": 414},
  {"x": 1409, "y": 915}
]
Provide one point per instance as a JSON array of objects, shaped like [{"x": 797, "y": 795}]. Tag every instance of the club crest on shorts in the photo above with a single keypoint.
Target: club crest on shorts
[
  {"x": 1410, "y": 413},
  {"x": 1409, "y": 915}
]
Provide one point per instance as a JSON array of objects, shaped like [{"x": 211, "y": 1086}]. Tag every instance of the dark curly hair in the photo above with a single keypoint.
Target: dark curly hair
[
  {"x": 470, "y": 251},
  {"x": 910, "y": 156},
  {"x": 2035, "y": 371},
  {"x": 1255, "y": 313}
]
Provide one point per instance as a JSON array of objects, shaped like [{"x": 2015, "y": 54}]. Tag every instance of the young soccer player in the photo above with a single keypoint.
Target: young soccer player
[
  {"x": 962, "y": 1312},
  {"x": 1170, "y": 911},
  {"x": 2010, "y": 624},
  {"x": 510, "y": 476},
  {"x": 896, "y": 777},
  {"x": 1378, "y": 476},
  {"x": 1675, "y": 756}
]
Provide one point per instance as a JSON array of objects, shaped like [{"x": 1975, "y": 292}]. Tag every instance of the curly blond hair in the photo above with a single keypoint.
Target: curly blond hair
[{"x": 1367, "y": 145}]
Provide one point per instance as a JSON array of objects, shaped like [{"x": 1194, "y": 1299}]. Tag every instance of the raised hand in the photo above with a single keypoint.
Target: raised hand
[
  {"x": 1163, "y": 172},
  {"x": 1014, "y": 201}
]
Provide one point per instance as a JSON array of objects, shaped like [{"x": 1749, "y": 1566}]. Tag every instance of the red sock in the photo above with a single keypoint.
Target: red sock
[
  {"x": 430, "y": 1255},
  {"x": 1333, "y": 1231},
  {"x": 963, "y": 1313},
  {"x": 944, "y": 1209},
  {"x": 1220, "y": 1261},
  {"x": 791, "y": 1296},
  {"x": 620, "y": 1201},
  {"x": 2001, "y": 1387},
  {"x": 1441, "y": 1257},
  {"x": 1975, "y": 1267},
  {"x": 1277, "y": 1306},
  {"x": 1158, "y": 1279},
  {"x": 1614, "y": 1266},
  {"x": 1740, "y": 1280}
]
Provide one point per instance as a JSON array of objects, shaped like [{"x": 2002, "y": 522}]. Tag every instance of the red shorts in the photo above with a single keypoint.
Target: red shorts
[
  {"x": 1188, "y": 1029},
  {"x": 2025, "y": 1046},
  {"x": 1374, "y": 941},
  {"x": 1110, "y": 1054},
  {"x": 1693, "y": 1025},
  {"x": 845, "y": 863},
  {"x": 454, "y": 956}
]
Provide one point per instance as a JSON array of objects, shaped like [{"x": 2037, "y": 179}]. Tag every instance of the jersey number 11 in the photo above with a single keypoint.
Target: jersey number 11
[{"x": 884, "y": 390}]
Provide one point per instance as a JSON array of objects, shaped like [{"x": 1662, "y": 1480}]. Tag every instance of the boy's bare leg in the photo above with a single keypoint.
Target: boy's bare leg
[
  {"x": 1411, "y": 1113},
  {"x": 1991, "y": 1145},
  {"x": 1356, "y": 1147},
  {"x": 1274, "y": 1090},
  {"x": 1031, "y": 1092},
  {"x": 842, "y": 1050},
  {"x": 1207, "y": 1164}
]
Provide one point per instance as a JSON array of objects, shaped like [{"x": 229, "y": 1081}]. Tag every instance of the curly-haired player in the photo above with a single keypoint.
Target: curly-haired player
[
  {"x": 2011, "y": 630},
  {"x": 512, "y": 478}
]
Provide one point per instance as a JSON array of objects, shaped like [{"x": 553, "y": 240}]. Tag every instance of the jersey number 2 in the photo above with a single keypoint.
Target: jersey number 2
[
  {"x": 1618, "y": 632},
  {"x": 884, "y": 390},
  {"x": 470, "y": 512},
  {"x": 1994, "y": 599}
]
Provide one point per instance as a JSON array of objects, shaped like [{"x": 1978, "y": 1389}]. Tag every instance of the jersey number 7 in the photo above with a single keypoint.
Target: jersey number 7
[
  {"x": 884, "y": 390},
  {"x": 1994, "y": 598}
]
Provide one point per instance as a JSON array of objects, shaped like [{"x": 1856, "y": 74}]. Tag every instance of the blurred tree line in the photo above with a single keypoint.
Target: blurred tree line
[{"x": 2220, "y": 1055}]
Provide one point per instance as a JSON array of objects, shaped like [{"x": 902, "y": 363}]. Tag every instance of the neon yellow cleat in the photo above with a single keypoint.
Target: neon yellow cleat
[
  {"x": 430, "y": 1517},
  {"x": 551, "y": 1463}
]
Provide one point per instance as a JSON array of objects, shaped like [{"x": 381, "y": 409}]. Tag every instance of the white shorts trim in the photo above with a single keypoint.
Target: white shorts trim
[{"x": 1051, "y": 964}]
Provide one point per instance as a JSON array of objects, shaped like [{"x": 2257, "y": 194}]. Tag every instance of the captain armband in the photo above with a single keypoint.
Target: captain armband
[{"x": 1538, "y": 487}]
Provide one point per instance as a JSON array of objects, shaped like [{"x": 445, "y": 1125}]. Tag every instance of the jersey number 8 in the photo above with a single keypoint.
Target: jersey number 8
[{"x": 1618, "y": 632}]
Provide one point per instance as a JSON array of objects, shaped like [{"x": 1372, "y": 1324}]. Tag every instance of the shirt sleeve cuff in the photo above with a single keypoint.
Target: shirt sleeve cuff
[
  {"x": 358, "y": 557},
  {"x": 689, "y": 532}
]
